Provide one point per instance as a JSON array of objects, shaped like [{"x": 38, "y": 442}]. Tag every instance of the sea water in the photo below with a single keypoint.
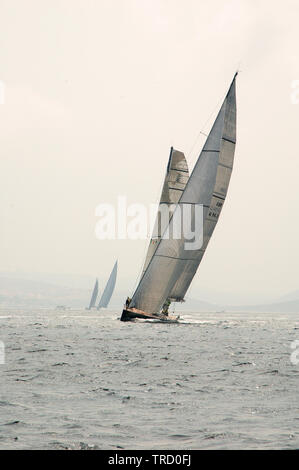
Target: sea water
[{"x": 75, "y": 379}]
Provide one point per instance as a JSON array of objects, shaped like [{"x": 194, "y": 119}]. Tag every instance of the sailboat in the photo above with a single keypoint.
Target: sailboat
[
  {"x": 169, "y": 267},
  {"x": 94, "y": 295},
  {"x": 109, "y": 288}
]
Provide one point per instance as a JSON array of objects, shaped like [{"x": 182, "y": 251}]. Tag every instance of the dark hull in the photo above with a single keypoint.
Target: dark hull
[{"x": 130, "y": 314}]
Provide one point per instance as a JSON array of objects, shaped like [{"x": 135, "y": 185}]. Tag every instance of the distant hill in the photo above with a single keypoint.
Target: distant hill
[
  {"x": 32, "y": 293},
  {"x": 291, "y": 306},
  {"x": 29, "y": 293},
  {"x": 196, "y": 305},
  {"x": 16, "y": 292},
  {"x": 289, "y": 297}
]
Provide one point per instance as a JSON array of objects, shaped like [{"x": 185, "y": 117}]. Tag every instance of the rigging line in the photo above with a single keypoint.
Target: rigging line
[
  {"x": 189, "y": 153},
  {"x": 221, "y": 100}
]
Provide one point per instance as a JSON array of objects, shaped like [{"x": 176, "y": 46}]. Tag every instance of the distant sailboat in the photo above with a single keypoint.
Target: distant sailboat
[
  {"x": 108, "y": 291},
  {"x": 94, "y": 296},
  {"x": 169, "y": 268}
]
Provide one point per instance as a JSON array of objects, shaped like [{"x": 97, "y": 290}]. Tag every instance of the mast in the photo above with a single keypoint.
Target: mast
[{"x": 172, "y": 267}]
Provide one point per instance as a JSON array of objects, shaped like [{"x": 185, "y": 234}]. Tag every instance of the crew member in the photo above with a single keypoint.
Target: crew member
[{"x": 166, "y": 307}]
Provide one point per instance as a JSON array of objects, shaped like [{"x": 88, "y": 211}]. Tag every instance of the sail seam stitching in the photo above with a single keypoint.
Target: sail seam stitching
[
  {"x": 177, "y": 169},
  {"x": 229, "y": 140},
  {"x": 219, "y": 197}
]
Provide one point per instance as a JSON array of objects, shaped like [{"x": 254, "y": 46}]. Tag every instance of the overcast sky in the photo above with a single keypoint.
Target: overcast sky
[{"x": 96, "y": 92}]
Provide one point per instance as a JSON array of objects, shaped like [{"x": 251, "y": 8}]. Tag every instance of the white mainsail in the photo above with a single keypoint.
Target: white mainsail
[
  {"x": 172, "y": 267},
  {"x": 94, "y": 295},
  {"x": 109, "y": 288},
  {"x": 175, "y": 181}
]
